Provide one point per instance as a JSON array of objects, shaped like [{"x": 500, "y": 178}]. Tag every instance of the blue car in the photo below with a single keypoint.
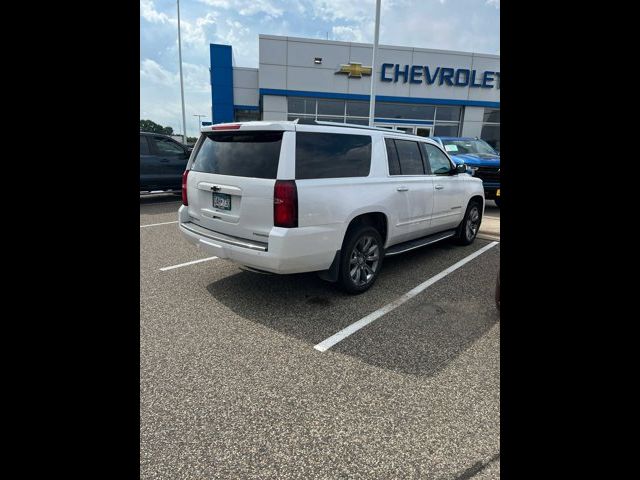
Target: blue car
[{"x": 481, "y": 159}]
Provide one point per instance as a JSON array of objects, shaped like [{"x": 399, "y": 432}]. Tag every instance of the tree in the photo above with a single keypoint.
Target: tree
[{"x": 152, "y": 127}]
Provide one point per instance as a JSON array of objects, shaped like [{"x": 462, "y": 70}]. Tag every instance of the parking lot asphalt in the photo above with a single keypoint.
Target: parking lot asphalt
[{"x": 232, "y": 387}]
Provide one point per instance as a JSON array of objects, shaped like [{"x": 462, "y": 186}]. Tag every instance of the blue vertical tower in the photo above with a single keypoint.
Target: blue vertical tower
[{"x": 221, "y": 83}]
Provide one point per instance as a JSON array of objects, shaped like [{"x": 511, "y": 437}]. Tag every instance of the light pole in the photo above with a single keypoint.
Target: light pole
[
  {"x": 199, "y": 124},
  {"x": 184, "y": 120},
  {"x": 372, "y": 99}
]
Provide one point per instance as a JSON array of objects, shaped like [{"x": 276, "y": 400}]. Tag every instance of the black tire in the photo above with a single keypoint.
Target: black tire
[
  {"x": 470, "y": 224},
  {"x": 359, "y": 257},
  {"x": 497, "y": 200}
]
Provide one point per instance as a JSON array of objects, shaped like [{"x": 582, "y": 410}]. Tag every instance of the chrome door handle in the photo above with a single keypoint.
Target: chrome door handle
[
  {"x": 439, "y": 187},
  {"x": 402, "y": 189}
]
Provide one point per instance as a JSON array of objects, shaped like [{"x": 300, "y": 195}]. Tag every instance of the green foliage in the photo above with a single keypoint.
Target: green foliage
[{"x": 152, "y": 127}]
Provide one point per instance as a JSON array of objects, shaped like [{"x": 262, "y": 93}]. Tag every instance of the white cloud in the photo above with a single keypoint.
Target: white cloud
[
  {"x": 346, "y": 33},
  {"x": 193, "y": 33},
  {"x": 331, "y": 10},
  {"x": 217, "y": 3},
  {"x": 248, "y": 7},
  {"x": 150, "y": 14},
  {"x": 196, "y": 78},
  {"x": 153, "y": 71},
  {"x": 495, "y": 3},
  {"x": 200, "y": 32},
  {"x": 253, "y": 7}
]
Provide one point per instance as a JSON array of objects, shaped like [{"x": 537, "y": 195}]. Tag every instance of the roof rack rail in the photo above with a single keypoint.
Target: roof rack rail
[{"x": 310, "y": 121}]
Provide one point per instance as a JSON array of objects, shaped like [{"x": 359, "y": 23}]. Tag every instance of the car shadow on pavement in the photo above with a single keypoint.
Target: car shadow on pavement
[
  {"x": 159, "y": 204},
  {"x": 419, "y": 338}
]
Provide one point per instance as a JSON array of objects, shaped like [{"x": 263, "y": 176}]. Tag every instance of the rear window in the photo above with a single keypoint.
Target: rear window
[
  {"x": 332, "y": 155},
  {"x": 239, "y": 154}
]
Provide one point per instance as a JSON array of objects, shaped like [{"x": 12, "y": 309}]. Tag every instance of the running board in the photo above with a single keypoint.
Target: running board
[{"x": 418, "y": 242}]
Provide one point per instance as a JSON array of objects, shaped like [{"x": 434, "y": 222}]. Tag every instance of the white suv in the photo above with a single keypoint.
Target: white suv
[{"x": 290, "y": 197}]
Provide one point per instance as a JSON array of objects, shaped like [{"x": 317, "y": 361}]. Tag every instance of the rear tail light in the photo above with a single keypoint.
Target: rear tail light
[
  {"x": 226, "y": 126},
  {"x": 185, "y": 200},
  {"x": 285, "y": 204}
]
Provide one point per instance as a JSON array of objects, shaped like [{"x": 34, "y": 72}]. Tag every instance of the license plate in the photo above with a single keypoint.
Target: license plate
[
  {"x": 222, "y": 201},
  {"x": 498, "y": 193}
]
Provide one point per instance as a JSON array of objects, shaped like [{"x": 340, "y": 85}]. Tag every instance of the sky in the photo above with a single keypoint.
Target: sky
[{"x": 463, "y": 25}]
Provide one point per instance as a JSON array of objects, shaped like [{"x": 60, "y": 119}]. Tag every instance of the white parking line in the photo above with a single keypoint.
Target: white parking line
[
  {"x": 156, "y": 224},
  {"x": 354, "y": 327},
  {"x": 495, "y": 218},
  {"x": 164, "y": 269}
]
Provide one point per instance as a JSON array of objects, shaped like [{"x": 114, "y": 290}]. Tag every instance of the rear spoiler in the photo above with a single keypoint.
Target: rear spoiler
[{"x": 249, "y": 126}]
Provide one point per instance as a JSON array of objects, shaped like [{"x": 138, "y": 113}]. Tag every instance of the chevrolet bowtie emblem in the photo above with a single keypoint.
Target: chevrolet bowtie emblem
[{"x": 354, "y": 70}]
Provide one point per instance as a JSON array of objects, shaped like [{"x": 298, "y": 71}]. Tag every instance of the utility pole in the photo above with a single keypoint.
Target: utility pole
[
  {"x": 372, "y": 99},
  {"x": 184, "y": 119}
]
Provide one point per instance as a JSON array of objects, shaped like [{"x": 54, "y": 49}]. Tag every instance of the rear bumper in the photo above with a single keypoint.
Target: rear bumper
[{"x": 288, "y": 250}]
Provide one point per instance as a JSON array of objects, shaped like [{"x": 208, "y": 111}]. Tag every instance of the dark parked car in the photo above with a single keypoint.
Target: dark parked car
[{"x": 162, "y": 161}]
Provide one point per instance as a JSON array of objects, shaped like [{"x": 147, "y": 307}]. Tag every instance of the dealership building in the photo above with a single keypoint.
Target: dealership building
[{"x": 422, "y": 91}]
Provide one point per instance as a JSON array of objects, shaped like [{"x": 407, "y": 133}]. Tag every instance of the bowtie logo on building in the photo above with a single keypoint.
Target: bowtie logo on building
[{"x": 354, "y": 70}]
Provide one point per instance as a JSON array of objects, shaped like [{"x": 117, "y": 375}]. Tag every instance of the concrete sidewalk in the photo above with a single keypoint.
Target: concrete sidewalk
[{"x": 490, "y": 228}]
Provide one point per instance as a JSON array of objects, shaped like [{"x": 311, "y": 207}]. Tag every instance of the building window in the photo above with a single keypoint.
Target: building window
[
  {"x": 305, "y": 106},
  {"x": 358, "y": 109},
  {"x": 491, "y": 127},
  {"x": 404, "y": 111},
  {"x": 293, "y": 116},
  {"x": 491, "y": 115},
  {"x": 451, "y": 114},
  {"x": 491, "y": 135},
  {"x": 331, "y": 107},
  {"x": 446, "y": 130},
  {"x": 358, "y": 121},
  {"x": 245, "y": 115},
  {"x": 445, "y": 118}
]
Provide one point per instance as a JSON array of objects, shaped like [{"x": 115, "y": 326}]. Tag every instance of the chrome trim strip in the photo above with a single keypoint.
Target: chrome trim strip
[{"x": 223, "y": 238}]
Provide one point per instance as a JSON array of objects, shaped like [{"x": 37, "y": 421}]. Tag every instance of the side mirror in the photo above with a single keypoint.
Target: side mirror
[{"x": 461, "y": 168}]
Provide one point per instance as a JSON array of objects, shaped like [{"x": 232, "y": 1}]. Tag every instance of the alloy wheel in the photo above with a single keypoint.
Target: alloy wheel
[
  {"x": 473, "y": 223},
  {"x": 364, "y": 260}
]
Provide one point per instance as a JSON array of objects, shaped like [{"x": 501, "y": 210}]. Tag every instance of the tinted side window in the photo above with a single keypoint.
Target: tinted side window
[
  {"x": 332, "y": 155},
  {"x": 410, "y": 157},
  {"x": 144, "y": 145},
  {"x": 167, "y": 147},
  {"x": 440, "y": 164},
  {"x": 246, "y": 154},
  {"x": 392, "y": 157}
]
